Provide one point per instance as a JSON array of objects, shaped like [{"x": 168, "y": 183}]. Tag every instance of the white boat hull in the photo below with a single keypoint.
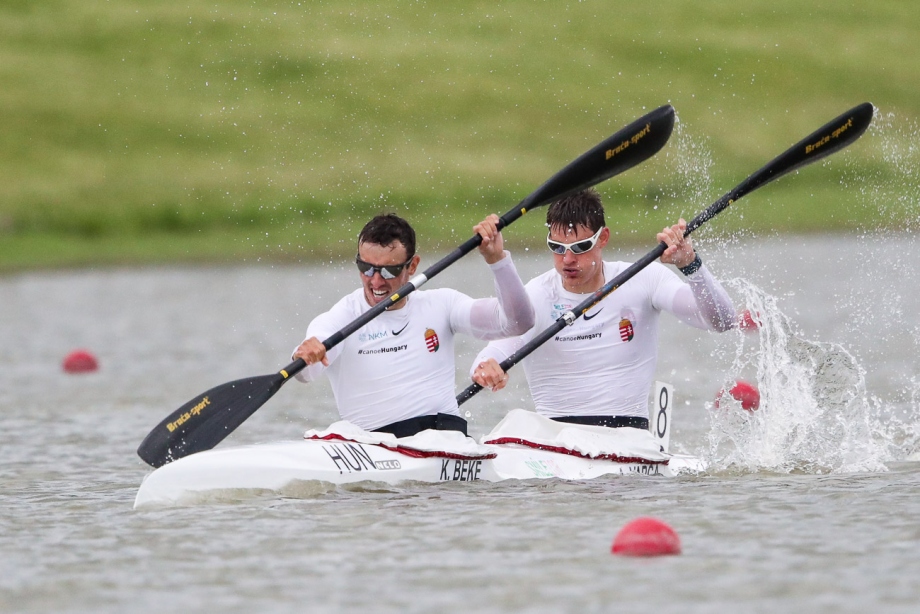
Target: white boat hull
[
  {"x": 345, "y": 454},
  {"x": 276, "y": 466}
]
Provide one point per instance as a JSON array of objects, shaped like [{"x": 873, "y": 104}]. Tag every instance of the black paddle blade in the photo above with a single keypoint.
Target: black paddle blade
[
  {"x": 204, "y": 421},
  {"x": 635, "y": 143},
  {"x": 830, "y": 138}
]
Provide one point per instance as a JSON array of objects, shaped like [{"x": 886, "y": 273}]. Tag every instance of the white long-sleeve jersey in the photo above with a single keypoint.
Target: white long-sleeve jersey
[
  {"x": 603, "y": 365},
  {"x": 400, "y": 365}
]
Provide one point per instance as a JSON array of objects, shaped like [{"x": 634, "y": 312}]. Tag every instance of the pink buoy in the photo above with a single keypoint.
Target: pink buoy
[
  {"x": 747, "y": 321},
  {"x": 80, "y": 361},
  {"x": 646, "y": 536},
  {"x": 742, "y": 391}
]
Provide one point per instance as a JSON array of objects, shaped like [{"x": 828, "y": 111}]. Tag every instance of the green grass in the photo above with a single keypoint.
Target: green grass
[{"x": 142, "y": 132}]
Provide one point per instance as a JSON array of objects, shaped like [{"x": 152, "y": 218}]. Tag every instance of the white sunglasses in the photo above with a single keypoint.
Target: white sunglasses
[{"x": 578, "y": 247}]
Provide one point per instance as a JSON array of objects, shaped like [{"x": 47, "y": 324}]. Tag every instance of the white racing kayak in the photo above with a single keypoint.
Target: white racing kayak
[{"x": 522, "y": 446}]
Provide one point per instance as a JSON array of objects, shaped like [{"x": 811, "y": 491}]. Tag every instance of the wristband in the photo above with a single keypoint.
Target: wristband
[{"x": 693, "y": 267}]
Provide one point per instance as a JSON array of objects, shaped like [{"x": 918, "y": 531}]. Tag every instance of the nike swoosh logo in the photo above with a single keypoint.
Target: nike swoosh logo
[
  {"x": 396, "y": 332},
  {"x": 587, "y": 317}
]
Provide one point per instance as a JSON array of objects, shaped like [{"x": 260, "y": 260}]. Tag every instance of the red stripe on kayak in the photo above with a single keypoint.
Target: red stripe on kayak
[{"x": 560, "y": 450}]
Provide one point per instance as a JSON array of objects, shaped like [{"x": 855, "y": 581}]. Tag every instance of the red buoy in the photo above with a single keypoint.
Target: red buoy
[
  {"x": 80, "y": 361},
  {"x": 742, "y": 391},
  {"x": 646, "y": 536},
  {"x": 747, "y": 321}
]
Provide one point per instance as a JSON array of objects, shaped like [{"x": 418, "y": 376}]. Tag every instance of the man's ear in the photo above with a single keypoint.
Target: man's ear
[
  {"x": 413, "y": 265},
  {"x": 604, "y": 237}
]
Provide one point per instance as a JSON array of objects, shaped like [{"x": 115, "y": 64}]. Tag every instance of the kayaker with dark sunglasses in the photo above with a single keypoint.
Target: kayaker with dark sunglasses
[
  {"x": 599, "y": 371},
  {"x": 396, "y": 374}
]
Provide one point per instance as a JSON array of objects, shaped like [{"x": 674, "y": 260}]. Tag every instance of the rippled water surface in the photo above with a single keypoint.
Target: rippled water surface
[{"x": 811, "y": 503}]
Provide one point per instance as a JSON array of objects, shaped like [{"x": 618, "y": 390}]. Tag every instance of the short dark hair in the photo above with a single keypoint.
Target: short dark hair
[
  {"x": 385, "y": 229},
  {"x": 580, "y": 208}
]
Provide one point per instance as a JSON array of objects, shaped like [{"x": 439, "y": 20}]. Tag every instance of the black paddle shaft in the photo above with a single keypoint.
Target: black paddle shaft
[
  {"x": 830, "y": 138},
  {"x": 207, "y": 419}
]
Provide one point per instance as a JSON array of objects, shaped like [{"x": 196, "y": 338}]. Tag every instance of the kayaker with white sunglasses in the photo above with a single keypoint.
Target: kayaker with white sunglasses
[{"x": 599, "y": 370}]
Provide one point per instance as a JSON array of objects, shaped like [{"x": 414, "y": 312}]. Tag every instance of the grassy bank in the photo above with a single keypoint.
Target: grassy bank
[{"x": 147, "y": 133}]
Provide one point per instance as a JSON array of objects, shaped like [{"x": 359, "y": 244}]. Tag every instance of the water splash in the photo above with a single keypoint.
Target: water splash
[
  {"x": 683, "y": 174},
  {"x": 815, "y": 414},
  {"x": 892, "y": 186},
  {"x": 818, "y": 413},
  {"x": 691, "y": 163}
]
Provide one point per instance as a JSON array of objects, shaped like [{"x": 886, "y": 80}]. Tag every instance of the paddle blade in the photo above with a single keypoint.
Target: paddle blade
[
  {"x": 829, "y": 138},
  {"x": 207, "y": 419},
  {"x": 635, "y": 143}
]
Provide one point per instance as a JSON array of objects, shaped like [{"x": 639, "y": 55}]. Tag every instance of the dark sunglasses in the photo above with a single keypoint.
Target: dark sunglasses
[
  {"x": 387, "y": 271},
  {"x": 578, "y": 247}
]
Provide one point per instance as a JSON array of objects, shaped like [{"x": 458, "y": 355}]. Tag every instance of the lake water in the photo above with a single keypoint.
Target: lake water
[{"x": 810, "y": 504}]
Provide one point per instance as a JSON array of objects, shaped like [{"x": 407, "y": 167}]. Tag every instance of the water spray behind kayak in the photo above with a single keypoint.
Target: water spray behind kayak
[{"x": 815, "y": 415}]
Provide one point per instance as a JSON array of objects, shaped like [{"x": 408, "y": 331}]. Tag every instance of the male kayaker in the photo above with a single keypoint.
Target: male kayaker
[
  {"x": 599, "y": 370},
  {"x": 397, "y": 373}
]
